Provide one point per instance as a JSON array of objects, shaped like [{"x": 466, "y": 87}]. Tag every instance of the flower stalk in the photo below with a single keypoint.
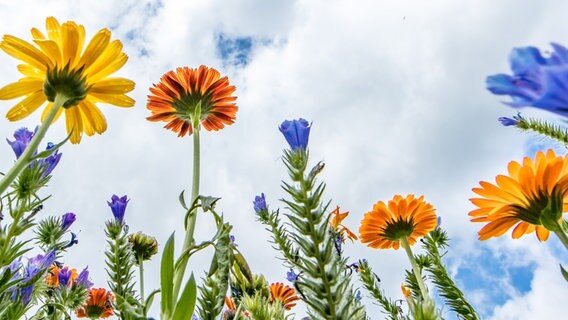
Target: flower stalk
[
  {"x": 415, "y": 269},
  {"x": 562, "y": 236},
  {"x": 26, "y": 156}
]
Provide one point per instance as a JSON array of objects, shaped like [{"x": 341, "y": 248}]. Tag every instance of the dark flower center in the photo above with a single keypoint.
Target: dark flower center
[
  {"x": 70, "y": 83},
  {"x": 397, "y": 229}
]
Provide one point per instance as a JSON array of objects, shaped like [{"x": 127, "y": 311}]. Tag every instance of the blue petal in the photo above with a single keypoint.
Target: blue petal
[
  {"x": 554, "y": 89},
  {"x": 522, "y": 92},
  {"x": 526, "y": 61},
  {"x": 560, "y": 54}
]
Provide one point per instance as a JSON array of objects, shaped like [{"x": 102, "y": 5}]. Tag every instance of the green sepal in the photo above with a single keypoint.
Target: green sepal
[
  {"x": 186, "y": 303},
  {"x": 167, "y": 277}
]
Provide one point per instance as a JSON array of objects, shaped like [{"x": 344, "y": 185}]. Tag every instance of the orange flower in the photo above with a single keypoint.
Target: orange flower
[
  {"x": 284, "y": 293},
  {"x": 175, "y": 98},
  {"x": 534, "y": 193},
  {"x": 52, "y": 278},
  {"x": 405, "y": 291},
  {"x": 335, "y": 222},
  {"x": 98, "y": 305},
  {"x": 385, "y": 225},
  {"x": 230, "y": 303}
]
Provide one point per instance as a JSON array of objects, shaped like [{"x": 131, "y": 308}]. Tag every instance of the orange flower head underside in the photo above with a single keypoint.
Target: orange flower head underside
[
  {"x": 285, "y": 294},
  {"x": 175, "y": 98},
  {"x": 98, "y": 305},
  {"x": 519, "y": 199},
  {"x": 335, "y": 221},
  {"x": 386, "y": 224}
]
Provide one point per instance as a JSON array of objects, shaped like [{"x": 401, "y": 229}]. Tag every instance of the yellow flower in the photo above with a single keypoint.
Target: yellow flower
[
  {"x": 531, "y": 198},
  {"x": 57, "y": 64}
]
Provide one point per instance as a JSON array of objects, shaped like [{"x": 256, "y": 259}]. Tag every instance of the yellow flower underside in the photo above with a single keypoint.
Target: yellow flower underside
[
  {"x": 63, "y": 45},
  {"x": 499, "y": 202}
]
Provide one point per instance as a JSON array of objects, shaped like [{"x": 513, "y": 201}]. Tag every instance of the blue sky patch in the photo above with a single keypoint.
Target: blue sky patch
[{"x": 233, "y": 51}]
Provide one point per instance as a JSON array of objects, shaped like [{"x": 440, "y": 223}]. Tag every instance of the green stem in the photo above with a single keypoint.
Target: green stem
[
  {"x": 25, "y": 157},
  {"x": 192, "y": 216},
  {"x": 417, "y": 274},
  {"x": 562, "y": 236},
  {"x": 141, "y": 269},
  {"x": 238, "y": 312}
]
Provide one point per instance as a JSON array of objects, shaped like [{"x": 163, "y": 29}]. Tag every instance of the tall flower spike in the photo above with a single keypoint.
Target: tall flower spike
[
  {"x": 59, "y": 63},
  {"x": 538, "y": 81},
  {"x": 177, "y": 95},
  {"x": 531, "y": 198},
  {"x": 386, "y": 224}
]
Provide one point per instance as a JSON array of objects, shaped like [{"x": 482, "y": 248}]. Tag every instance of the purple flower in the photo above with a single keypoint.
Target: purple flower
[
  {"x": 118, "y": 207},
  {"x": 291, "y": 275},
  {"x": 538, "y": 81},
  {"x": 83, "y": 279},
  {"x": 64, "y": 276},
  {"x": 50, "y": 162},
  {"x": 36, "y": 265},
  {"x": 23, "y": 137},
  {"x": 358, "y": 296},
  {"x": 259, "y": 203},
  {"x": 506, "y": 121},
  {"x": 67, "y": 220},
  {"x": 232, "y": 237},
  {"x": 296, "y": 132}
]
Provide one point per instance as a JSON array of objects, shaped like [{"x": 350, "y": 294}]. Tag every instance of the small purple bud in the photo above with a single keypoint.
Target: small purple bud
[
  {"x": 259, "y": 203},
  {"x": 291, "y": 275},
  {"x": 67, "y": 220}
]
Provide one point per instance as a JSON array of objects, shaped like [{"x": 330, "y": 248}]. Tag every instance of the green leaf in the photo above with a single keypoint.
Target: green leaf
[
  {"x": 47, "y": 153},
  {"x": 208, "y": 202},
  {"x": 186, "y": 304},
  {"x": 150, "y": 300},
  {"x": 182, "y": 200},
  {"x": 564, "y": 273},
  {"x": 167, "y": 276}
]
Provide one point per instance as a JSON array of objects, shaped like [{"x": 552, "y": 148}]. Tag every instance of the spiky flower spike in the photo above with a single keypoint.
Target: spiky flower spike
[{"x": 324, "y": 285}]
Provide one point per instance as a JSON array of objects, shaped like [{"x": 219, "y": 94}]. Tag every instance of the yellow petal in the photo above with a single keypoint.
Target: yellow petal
[
  {"x": 95, "y": 48},
  {"x": 37, "y": 35},
  {"x": 51, "y": 49},
  {"x": 70, "y": 40},
  {"x": 112, "y": 86},
  {"x": 24, "y": 51},
  {"x": 74, "y": 124},
  {"x": 30, "y": 71},
  {"x": 119, "y": 100},
  {"x": 109, "y": 62},
  {"x": 26, "y": 106},
  {"x": 93, "y": 119},
  {"x": 46, "y": 111},
  {"x": 23, "y": 87},
  {"x": 53, "y": 30}
]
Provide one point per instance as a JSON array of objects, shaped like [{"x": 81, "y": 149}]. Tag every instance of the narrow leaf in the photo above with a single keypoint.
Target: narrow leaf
[
  {"x": 186, "y": 304},
  {"x": 167, "y": 276}
]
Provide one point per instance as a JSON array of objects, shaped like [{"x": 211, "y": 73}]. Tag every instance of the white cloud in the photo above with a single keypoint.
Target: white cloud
[{"x": 395, "y": 91}]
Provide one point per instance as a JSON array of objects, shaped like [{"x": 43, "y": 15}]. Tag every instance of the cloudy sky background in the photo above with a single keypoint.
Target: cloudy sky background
[{"x": 396, "y": 93}]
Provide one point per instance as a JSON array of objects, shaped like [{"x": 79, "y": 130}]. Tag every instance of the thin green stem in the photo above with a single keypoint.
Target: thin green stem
[
  {"x": 25, "y": 157},
  {"x": 192, "y": 216},
  {"x": 417, "y": 274},
  {"x": 562, "y": 236},
  {"x": 141, "y": 280},
  {"x": 238, "y": 312}
]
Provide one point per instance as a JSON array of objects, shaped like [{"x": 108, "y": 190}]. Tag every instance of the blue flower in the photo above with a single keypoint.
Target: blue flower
[
  {"x": 296, "y": 132},
  {"x": 67, "y": 220},
  {"x": 83, "y": 279},
  {"x": 36, "y": 265},
  {"x": 64, "y": 275},
  {"x": 259, "y": 203},
  {"x": 537, "y": 81},
  {"x": 358, "y": 296},
  {"x": 23, "y": 137},
  {"x": 118, "y": 207},
  {"x": 232, "y": 237},
  {"x": 291, "y": 275}
]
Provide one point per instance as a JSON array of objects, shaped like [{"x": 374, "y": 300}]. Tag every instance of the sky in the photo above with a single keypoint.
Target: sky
[{"x": 396, "y": 94}]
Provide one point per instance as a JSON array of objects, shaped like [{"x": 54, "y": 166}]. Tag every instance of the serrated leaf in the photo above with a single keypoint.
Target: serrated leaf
[
  {"x": 186, "y": 304},
  {"x": 167, "y": 276}
]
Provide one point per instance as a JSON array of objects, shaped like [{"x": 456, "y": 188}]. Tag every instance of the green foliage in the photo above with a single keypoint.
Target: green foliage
[
  {"x": 213, "y": 290},
  {"x": 324, "y": 285},
  {"x": 447, "y": 288},
  {"x": 371, "y": 283}
]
